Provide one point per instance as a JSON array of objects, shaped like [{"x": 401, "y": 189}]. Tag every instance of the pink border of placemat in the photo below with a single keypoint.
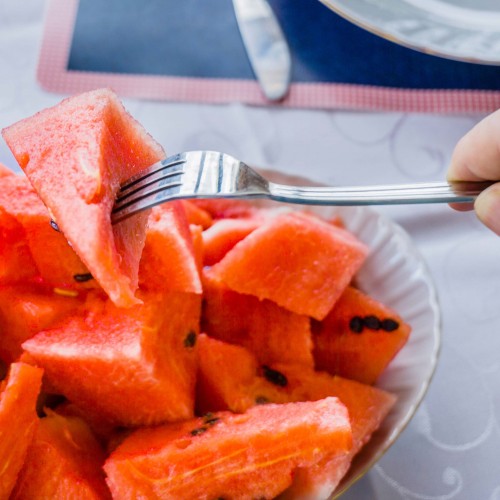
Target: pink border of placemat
[{"x": 53, "y": 76}]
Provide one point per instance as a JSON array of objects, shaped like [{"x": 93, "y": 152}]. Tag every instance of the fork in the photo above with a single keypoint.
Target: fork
[{"x": 210, "y": 174}]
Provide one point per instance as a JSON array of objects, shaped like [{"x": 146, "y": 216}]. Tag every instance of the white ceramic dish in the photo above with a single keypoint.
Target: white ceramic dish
[
  {"x": 395, "y": 274},
  {"x": 465, "y": 30}
]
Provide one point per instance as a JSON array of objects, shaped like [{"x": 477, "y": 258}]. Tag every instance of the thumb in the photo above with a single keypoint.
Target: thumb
[{"x": 487, "y": 206}]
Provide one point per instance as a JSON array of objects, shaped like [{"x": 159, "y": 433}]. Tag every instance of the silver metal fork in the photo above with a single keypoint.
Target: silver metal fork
[{"x": 210, "y": 174}]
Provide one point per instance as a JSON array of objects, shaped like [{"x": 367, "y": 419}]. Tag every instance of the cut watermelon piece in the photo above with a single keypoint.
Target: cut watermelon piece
[
  {"x": 197, "y": 237},
  {"x": 26, "y": 310},
  {"x": 16, "y": 261},
  {"x": 359, "y": 337},
  {"x": 274, "y": 334},
  {"x": 196, "y": 215},
  {"x": 300, "y": 262},
  {"x": 64, "y": 461},
  {"x": 55, "y": 261},
  {"x": 128, "y": 367},
  {"x": 18, "y": 421},
  {"x": 76, "y": 155},
  {"x": 226, "y": 208},
  {"x": 219, "y": 238},
  {"x": 223, "y": 455},
  {"x": 230, "y": 378},
  {"x": 367, "y": 406},
  {"x": 168, "y": 261},
  {"x": 102, "y": 430}
]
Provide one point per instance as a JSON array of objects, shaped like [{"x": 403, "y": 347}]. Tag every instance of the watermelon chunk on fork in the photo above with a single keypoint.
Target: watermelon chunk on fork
[{"x": 76, "y": 154}]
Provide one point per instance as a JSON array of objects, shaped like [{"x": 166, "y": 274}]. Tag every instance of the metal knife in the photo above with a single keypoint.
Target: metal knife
[{"x": 266, "y": 46}]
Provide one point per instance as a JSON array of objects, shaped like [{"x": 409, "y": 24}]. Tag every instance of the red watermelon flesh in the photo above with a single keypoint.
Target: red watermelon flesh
[
  {"x": 16, "y": 261},
  {"x": 127, "y": 367},
  {"x": 196, "y": 215},
  {"x": 64, "y": 461},
  {"x": 197, "y": 237},
  {"x": 300, "y": 262},
  {"x": 76, "y": 154},
  {"x": 226, "y": 208},
  {"x": 359, "y": 337},
  {"x": 56, "y": 262},
  {"x": 25, "y": 310},
  {"x": 367, "y": 406},
  {"x": 225, "y": 455},
  {"x": 168, "y": 261},
  {"x": 18, "y": 421},
  {"x": 230, "y": 378},
  {"x": 223, "y": 234},
  {"x": 273, "y": 333}
]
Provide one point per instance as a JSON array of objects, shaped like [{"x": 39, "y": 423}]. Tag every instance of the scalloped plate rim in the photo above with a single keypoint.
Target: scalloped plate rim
[{"x": 442, "y": 47}]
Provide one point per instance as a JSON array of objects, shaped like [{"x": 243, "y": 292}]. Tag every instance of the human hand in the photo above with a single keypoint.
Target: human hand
[{"x": 476, "y": 158}]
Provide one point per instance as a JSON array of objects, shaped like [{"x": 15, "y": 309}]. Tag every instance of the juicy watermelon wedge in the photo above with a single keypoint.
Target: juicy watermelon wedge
[
  {"x": 224, "y": 455},
  {"x": 63, "y": 461},
  {"x": 226, "y": 208},
  {"x": 18, "y": 421},
  {"x": 223, "y": 235},
  {"x": 230, "y": 378},
  {"x": 128, "y": 367},
  {"x": 197, "y": 215},
  {"x": 298, "y": 261},
  {"x": 168, "y": 261},
  {"x": 359, "y": 337},
  {"x": 27, "y": 309},
  {"x": 16, "y": 261},
  {"x": 76, "y": 154},
  {"x": 53, "y": 259},
  {"x": 273, "y": 333}
]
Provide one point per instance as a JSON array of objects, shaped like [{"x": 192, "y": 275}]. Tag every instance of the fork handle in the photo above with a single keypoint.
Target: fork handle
[{"x": 392, "y": 194}]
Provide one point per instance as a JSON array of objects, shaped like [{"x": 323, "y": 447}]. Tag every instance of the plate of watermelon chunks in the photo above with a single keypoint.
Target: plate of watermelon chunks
[{"x": 204, "y": 349}]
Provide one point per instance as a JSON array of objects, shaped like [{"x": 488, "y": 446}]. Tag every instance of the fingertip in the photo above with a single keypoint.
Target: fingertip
[
  {"x": 487, "y": 208},
  {"x": 476, "y": 155},
  {"x": 462, "y": 207}
]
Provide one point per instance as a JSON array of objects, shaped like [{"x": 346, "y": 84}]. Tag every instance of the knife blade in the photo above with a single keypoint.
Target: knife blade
[{"x": 266, "y": 46}]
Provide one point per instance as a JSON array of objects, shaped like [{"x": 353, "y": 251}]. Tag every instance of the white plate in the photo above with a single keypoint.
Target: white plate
[
  {"x": 395, "y": 274},
  {"x": 465, "y": 30}
]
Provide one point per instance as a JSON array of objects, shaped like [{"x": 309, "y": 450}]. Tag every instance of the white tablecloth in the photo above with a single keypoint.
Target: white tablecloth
[{"x": 451, "y": 448}]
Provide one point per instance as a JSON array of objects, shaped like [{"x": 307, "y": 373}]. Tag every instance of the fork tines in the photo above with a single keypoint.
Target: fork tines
[{"x": 159, "y": 177}]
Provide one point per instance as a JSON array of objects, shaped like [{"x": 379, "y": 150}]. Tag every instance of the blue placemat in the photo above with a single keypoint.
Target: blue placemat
[{"x": 197, "y": 42}]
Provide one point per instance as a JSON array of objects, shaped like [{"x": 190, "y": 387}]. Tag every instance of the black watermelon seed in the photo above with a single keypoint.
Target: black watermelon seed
[
  {"x": 274, "y": 376},
  {"x": 261, "y": 400},
  {"x": 372, "y": 322},
  {"x": 82, "y": 278},
  {"x": 54, "y": 225},
  {"x": 389, "y": 325},
  {"x": 198, "y": 431},
  {"x": 190, "y": 339},
  {"x": 211, "y": 421},
  {"x": 356, "y": 324}
]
